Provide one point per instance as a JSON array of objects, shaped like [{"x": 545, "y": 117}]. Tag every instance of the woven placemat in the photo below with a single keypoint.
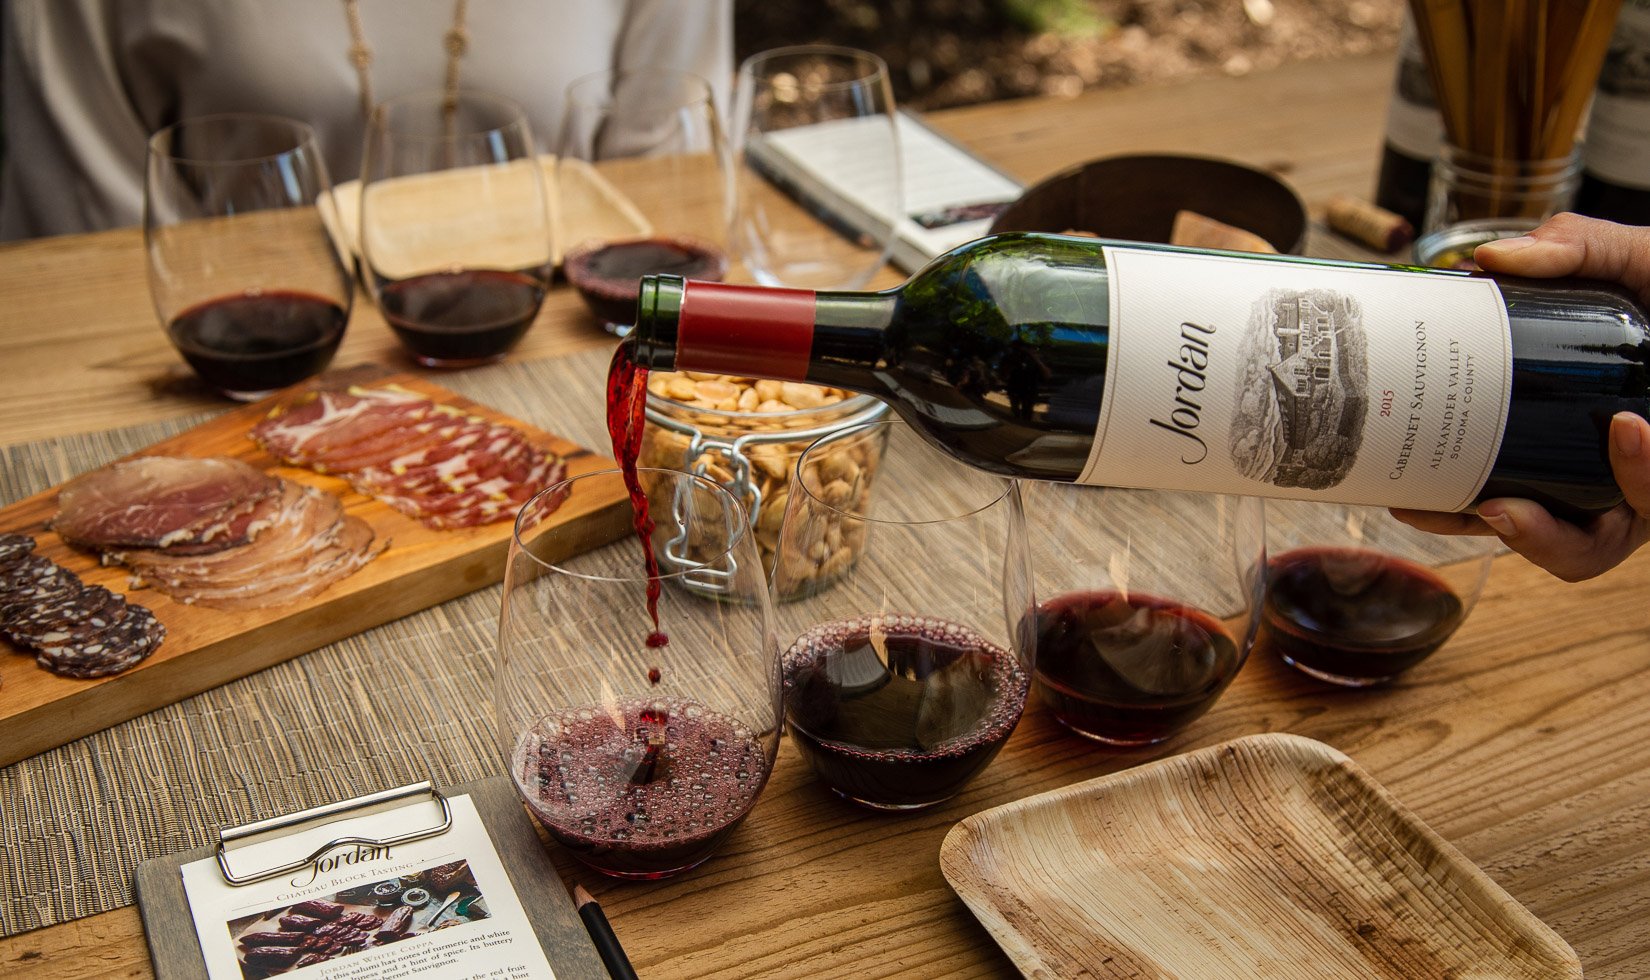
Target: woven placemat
[{"x": 406, "y": 701}]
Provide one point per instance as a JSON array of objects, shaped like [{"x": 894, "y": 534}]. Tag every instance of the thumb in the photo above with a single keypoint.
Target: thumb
[{"x": 1571, "y": 245}]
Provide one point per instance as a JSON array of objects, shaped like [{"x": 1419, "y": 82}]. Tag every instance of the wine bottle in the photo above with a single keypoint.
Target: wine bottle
[
  {"x": 1082, "y": 360},
  {"x": 1615, "y": 179},
  {"x": 1414, "y": 131}
]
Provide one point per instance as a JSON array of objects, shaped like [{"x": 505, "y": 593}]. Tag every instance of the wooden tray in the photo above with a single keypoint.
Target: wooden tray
[
  {"x": 1268, "y": 856},
  {"x": 208, "y": 647},
  {"x": 588, "y": 207}
]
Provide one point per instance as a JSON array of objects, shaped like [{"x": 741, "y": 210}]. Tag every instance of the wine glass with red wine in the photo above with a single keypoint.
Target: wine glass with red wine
[
  {"x": 455, "y": 229},
  {"x": 251, "y": 287},
  {"x": 1355, "y": 598},
  {"x": 642, "y": 181},
  {"x": 801, "y": 108},
  {"x": 1147, "y": 604},
  {"x": 901, "y": 683},
  {"x": 640, "y": 745}
]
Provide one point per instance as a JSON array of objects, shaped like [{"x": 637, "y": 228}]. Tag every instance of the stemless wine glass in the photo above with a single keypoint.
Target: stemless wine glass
[
  {"x": 800, "y": 111},
  {"x": 639, "y": 752},
  {"x": 901, "y": 683},
  {"x": 642, "y": 174},
  {"x": 1354, "y": 597},
  {"x": 1147, "y": 604},
  {"x": 242, "y": 271},
  {"x": 455, "y": 232}
]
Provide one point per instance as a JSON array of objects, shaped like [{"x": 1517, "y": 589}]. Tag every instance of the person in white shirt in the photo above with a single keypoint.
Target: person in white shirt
[{"x": 85, "y": 82}]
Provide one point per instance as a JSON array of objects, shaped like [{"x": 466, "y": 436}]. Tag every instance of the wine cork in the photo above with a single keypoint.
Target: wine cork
[
  {"x": 1201, "y": 231},
  {"x": 1371, "y": 224}
]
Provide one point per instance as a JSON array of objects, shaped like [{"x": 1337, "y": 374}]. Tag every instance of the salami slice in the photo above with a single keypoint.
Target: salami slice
[
  {"x": 31, "y": 580},
  {"x": 14, "y": 546},
  {"x": 111, "y": 651},
  {"x": 66, "y": 620}
]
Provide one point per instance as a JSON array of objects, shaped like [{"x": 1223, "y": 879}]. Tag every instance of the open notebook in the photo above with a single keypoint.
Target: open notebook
[{"x": 950, "y": 195}]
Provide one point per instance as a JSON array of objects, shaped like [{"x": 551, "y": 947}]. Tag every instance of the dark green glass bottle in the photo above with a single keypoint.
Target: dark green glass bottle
[{"x": 1076, "y": 359}]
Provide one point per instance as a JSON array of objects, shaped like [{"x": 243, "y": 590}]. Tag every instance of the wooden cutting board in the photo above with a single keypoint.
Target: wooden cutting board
[{"x": 207, "y": 647}]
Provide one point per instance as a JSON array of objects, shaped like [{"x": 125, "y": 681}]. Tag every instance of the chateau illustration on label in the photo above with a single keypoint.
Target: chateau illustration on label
[{"x": 1303, "y": 389}]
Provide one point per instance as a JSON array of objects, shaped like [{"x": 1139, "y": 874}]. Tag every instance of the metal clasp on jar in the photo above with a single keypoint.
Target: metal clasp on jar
[
  {"x": 696, "y": 458},
  {"x": 703, "y": 449}
]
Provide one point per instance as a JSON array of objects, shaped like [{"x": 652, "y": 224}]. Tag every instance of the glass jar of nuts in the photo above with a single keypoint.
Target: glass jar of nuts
[{"x": 746, "y": 434}]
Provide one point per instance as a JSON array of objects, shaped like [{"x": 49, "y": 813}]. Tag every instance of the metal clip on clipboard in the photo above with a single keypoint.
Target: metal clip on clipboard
[{"x": 231, "y": 838}]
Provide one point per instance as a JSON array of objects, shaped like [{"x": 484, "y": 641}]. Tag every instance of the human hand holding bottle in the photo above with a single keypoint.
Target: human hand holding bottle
[{"x": 1570, "y": 245}]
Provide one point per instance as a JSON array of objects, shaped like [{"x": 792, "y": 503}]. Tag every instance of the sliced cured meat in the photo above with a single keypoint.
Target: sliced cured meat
[
  {"x": 157, "y": 501},
  {"x": 110, "y": 651},
  {"x": 431, "y": 462},
  {"x": 310, "y": 543},
  {"x": 67, "y": 619},
  {"x": 353, "y": 548},
  {"x": 308, "y": 433},
  {"x": 31, "y": 580},
  {"x": 75, "y": 629},
  {"x": 14, "y": 546}
]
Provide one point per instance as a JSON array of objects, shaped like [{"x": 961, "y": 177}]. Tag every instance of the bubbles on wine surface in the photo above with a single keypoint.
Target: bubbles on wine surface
[{"x": 578, "y": 772}]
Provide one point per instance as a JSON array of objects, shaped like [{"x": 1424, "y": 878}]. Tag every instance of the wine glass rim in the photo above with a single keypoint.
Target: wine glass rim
[
  {"x": 381, "y": 122},
  {"x": 303, "y": 137},
  {"x": 889, "y": 425},
  {"x": 876, "y": 67},
  {"x": 742, "y": 525},
  {"x": 704, "y": 94}
]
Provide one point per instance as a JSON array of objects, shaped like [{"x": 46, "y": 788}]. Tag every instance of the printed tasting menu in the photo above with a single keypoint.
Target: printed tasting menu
[{"x": 440, "y": 907}]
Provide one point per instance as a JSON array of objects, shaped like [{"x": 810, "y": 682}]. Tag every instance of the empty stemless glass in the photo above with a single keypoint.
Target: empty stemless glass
[
  {"x": 647, "y": 142},
  {"x": 242, "y": 271},
  {"x": 639, "y": 756},
  {"x": 1355, "y": 597},
  {"x": 900, "y": 681},
  {"x": 809, "y": 107},
  {"x": 455, "y": 233},
  {"x": 1147, "y": 604}
]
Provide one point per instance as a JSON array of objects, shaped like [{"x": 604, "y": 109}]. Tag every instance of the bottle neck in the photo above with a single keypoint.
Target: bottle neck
[{"x": 830, "y": 338}]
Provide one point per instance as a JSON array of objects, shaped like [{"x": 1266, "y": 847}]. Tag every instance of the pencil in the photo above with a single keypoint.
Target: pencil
[{"x": 607, "y": 944}]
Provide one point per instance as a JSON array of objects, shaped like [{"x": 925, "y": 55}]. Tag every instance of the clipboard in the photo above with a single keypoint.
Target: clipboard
[{"x": 174, "y": 948}]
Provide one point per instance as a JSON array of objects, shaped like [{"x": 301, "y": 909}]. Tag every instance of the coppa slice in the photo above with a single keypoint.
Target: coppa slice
[
  {"x": 429, "y": 461},
  {"x": 318, "y": 431},
  {"x": 160, "y": 501}
]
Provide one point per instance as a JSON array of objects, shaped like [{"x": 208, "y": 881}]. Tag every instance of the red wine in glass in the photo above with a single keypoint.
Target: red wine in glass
[
  {"x": 1355, "y": 616},
  {"x": 580, "y": 775},
  {"x": 608, "y": 276},
  {"x": 252, "y": 343},
  {"x": 1130, "y": 669},
  {"x": 899, "y": 712},
  {"x": 464, "y": 317}
]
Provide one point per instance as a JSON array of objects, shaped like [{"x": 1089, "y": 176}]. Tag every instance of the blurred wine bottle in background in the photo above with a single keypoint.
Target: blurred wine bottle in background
[
  {"x": 1414, "y": 130},
  {"x": 1615, "y": 182}
]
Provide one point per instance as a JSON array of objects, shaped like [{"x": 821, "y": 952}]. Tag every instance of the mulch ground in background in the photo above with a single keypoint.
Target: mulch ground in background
[{"x": 958, "y": 52}]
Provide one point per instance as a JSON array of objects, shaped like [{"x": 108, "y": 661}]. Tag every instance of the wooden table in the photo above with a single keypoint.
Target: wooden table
[{"x": 1521, "y": 742}]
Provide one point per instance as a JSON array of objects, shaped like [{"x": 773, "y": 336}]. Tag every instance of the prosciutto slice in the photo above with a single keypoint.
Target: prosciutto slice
[
  {"x": 310, "y": 543},
  {"x": 216, "y": 532},
  {"x": 429, "y": 461},
  {"x": 161, "y": 501}
]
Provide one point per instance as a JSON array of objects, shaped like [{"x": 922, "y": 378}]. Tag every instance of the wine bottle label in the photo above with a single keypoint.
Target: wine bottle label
[
  {"x": 1617, "y": 148},
  {"x": 1414, "y": 126},
  {"x": 1288, "y": 379}
]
